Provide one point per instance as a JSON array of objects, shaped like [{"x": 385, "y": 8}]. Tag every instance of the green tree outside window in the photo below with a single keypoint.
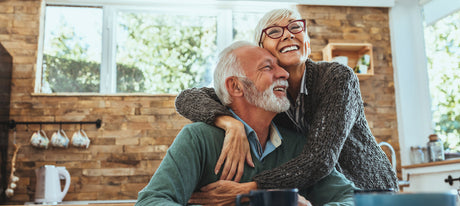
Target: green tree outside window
[{"x": 443, "y": 52}]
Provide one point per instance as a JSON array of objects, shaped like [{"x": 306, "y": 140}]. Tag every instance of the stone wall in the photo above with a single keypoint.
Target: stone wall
[{"x": 137, "y": 129}]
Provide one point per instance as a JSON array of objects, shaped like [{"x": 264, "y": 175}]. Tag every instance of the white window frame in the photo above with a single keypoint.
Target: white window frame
[
  {"x": 221, "y": 9},
  {"x": 413, "y": 101}
]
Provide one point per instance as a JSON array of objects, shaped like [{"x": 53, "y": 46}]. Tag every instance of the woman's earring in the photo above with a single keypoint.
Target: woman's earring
[{"x": 307, "y": 45}]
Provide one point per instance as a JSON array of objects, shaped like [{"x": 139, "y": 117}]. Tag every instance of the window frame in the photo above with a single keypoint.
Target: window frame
[{"x": 108, "y": 80}]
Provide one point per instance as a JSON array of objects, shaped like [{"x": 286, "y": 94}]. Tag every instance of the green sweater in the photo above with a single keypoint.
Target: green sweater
[{"x": 189, "y": 165}]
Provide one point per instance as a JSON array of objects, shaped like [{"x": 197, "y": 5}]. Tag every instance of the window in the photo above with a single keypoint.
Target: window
[
  {"x": 153, "y": 49},
  {"x": 442, "y": 40},
  {"x": 164, "y": 53},
  {"x": 72, "y": 49}
]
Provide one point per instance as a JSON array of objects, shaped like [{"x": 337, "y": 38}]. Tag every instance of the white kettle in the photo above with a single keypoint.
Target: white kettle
[{"x": 48, "y": 188}]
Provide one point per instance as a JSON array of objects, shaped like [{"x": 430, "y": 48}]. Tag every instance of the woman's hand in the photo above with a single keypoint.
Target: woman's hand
[
  {"x": 222, "y": 192},
  {"x": 235, "y": 149}
]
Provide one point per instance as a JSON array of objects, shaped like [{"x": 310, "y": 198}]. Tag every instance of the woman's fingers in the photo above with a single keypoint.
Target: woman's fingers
[
  {"x": 221, "y": 159},
  {"x": 232, "y": 171},
  {"x": 240, "y": 171},
  {"x": 249, "y": 158},
  {"x": 227, "y": 167}
]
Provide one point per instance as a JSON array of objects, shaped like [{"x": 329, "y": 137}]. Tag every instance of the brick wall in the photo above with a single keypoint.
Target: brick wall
[{"x": 137, "y": 130}]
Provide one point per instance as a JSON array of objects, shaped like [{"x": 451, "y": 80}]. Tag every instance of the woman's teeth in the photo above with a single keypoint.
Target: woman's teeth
[{"x": 289, "y": 48}]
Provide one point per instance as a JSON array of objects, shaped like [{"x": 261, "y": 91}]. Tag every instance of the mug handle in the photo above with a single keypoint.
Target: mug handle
[
  {"x": 83, "y": 132},
  {"x": 41, "y": 132},
  {"x": 63, "y": 133},
  {"x": 238, "y": 198}
]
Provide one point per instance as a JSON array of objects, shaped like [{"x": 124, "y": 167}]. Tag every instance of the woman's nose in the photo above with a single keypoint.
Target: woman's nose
[{"x": 287, "y": 34}]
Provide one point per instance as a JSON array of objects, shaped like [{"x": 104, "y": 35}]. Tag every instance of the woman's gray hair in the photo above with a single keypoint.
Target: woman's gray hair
[
  {"x": 228, "y": 66},
  {"x": 272, "y": 17}
]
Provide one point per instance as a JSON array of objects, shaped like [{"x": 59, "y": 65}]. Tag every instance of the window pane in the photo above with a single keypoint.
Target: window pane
[
  {"x": 72, "y": 49},
  {"x": 442, "y": 42},
  {"x": 164, "y": 53},
  {"x": 244, "y": 24}
]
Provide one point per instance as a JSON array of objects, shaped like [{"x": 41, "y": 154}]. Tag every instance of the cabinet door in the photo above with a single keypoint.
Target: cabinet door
[{"x": 432, "y": 179}]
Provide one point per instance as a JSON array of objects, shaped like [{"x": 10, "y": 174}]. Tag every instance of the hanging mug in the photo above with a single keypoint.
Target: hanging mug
[
  {"x": 39, "y": 139},
  {"x": 80, "y": 139},
  {"x": 60, "y": 139}
]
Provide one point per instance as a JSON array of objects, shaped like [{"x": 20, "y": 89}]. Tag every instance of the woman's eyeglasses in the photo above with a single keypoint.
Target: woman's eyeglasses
[{"x": 276, "y": 32}]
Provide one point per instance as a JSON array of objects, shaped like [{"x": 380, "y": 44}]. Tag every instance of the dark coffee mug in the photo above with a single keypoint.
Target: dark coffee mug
[{"x": 273, "y": 197}]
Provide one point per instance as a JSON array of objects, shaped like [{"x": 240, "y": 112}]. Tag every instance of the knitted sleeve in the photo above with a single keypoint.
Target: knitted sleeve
[
  {"x": 331, "y": 122},
  {"x": 200, "y": 105}
]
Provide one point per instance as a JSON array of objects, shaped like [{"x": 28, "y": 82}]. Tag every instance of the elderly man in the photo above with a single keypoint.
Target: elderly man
[{"x": 249, "y": 81}]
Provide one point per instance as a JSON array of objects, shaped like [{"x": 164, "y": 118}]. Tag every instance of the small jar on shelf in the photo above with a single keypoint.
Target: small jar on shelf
[
  {"x": 435, "y": 148},
  {"x": 416, "y": 155}
]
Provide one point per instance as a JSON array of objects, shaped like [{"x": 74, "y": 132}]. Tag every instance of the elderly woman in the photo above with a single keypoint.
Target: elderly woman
[{"x": 326, "y": 106}]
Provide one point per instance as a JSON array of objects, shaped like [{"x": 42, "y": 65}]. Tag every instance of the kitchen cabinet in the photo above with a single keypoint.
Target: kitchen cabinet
[
  {"x": 430, "y": 177},
  {"x": 353, "y": 53}
]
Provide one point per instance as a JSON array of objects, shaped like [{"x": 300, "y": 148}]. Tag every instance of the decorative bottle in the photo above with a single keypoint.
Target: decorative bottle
[{"x": 435, "y": 148}]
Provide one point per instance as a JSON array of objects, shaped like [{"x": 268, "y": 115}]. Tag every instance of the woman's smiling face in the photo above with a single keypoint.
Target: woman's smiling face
[{"x": 290, "y": 49}]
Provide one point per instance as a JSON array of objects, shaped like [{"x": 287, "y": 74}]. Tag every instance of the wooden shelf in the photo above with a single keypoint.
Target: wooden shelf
[
  {"x": 429, "y": 164},
  {"x": 353, "y": 51}
]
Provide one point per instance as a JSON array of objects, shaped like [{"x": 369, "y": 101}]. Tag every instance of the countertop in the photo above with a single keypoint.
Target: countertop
[
  {"x": 445, "y": 162},
  {"x": 92, "y": 203}
]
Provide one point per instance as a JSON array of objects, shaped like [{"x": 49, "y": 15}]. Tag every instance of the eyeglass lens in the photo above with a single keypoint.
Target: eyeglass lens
[{"x": 277, "y": 31}]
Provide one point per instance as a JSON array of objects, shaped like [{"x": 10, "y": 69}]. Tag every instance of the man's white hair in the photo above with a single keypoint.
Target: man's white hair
[{"x": 228, "y": 65}]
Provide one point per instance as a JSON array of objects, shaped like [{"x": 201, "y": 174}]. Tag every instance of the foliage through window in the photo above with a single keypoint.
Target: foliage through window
[
  {"x": 72, "y": 49},
  {"x": 146, "y": 50},
  {"x": 158, "y": 53},
  {"x": 442, "y": 41}
]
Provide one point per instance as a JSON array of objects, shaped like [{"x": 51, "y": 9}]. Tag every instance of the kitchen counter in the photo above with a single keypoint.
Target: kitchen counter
[
  {"x": 92, "y": 203},
  {"x": 428, "y": 164},
  {"x": 432, "y": 176}
]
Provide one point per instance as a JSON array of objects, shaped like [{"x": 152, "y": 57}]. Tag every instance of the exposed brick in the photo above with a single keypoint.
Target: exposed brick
[{"x": 138, "y": 129}]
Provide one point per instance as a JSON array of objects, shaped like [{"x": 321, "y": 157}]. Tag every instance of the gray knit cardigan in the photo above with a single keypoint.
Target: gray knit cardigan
[{"x": 338, "y": 133}]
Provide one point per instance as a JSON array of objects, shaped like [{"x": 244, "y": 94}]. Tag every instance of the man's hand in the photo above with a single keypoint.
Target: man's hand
[
  {"x": 235, "y": 150},
  {"x": 303, "y": 202},
  {"x": 222, "y": 192}
]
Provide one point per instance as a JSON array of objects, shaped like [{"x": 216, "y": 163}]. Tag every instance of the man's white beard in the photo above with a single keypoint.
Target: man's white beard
[{"x": 267, "y": 100}]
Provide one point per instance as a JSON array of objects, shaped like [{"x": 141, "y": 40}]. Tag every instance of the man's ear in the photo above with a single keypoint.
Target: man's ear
[{"x": 234, "y": 86}]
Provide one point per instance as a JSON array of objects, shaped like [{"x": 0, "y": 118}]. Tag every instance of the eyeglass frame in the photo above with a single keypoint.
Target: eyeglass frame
[{"x": 283, "y": 27}]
